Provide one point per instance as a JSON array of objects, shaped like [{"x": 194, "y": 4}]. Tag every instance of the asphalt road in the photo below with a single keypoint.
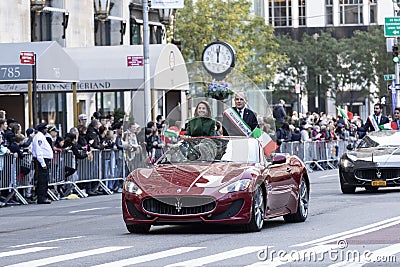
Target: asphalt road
[{"x": 341, "y": 230}]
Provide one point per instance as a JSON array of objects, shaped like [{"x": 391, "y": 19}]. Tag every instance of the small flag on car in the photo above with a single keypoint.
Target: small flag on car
[{"x": 266, "y": 141}]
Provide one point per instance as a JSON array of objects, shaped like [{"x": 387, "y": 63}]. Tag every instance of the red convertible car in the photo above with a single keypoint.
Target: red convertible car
[{"x": 217, "y": 180}]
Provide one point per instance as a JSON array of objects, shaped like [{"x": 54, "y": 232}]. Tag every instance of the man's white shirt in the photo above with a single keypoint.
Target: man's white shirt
[{"x": 41, "y": 149}]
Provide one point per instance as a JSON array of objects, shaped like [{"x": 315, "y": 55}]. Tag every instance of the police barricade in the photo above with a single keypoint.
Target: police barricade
[
  {"x": 317, "y": 155},
  {"x": 8, "y": 179}
]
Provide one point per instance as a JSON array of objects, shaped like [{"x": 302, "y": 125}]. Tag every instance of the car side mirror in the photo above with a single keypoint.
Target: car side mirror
[
  {"x": 279, "y": 159},
  {"x": 350, "y": 146}
]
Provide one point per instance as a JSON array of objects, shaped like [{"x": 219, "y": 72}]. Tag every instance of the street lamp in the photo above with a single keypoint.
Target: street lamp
[
  {"x": 101, "y": 9},
  {"x": 38, "y": 5},
  {"x": 165, "y": 15}
]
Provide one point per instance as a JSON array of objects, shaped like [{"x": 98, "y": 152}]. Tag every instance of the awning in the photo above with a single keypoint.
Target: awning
[
  {"x": 121, "y": 67},
  {"x": 52, "y": 64}
]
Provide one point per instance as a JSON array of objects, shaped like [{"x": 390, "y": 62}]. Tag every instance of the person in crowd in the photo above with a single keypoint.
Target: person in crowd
[
  {"x": 3, "y": 128},
  {"x": 316, "y": 133},
  {"x": 305, "y": 132},
  {"x": 42, "y": 154},
  {"x": 30, "y": 133},
  {"x": 132, "y": 146},
  {"x": 283, "y": 134},
  {"x": 201, "y": 124},
  {"x": 218, "y": 129},
  {"x": 154, "y": 144},
  {"x": 375, "y": 120},
  {"x": 82, "y": 141},
  {"x": 247, "y": 115},
  {"x": 15, "y": 148},
  {"x": 296, "y": 136},
  {"x": 279, "y": 114},
  {"x": 94, "y": 141},
  {"x": 53, "y": 133},
  {"x": 109, "y": 160},
  {"x": 395, "y": 124},
  {"x": 82, "y": 119},
  {"x": 119, "y": 154},
  {"x": 160, "y": 122}
]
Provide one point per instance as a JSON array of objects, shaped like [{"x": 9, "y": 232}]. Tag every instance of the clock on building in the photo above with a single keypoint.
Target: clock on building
[{"x": 218, "y": 59}]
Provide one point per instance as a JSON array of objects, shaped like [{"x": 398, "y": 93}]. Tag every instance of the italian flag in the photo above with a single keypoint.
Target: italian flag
[
  {"x": 345, "y": 114},
  {"x": 172, "y": 131},
  {"x": 266, "y": 141},
  {"x": 386, "y": 126}
]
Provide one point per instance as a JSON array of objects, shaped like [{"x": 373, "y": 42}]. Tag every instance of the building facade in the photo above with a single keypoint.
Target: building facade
[
  {"x": 81, "y": 24},
  {"x": 343, "y": 17}
]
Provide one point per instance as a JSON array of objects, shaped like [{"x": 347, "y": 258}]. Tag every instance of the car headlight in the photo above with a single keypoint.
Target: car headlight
[
  {"x": 346, "y": 163},
  {"x": 237, "y": 186},
  {"x": 133, "y": 188}
]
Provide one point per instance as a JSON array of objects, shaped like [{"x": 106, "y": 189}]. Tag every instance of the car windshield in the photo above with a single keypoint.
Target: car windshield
[
  {"x": 212, "y": 150},
  {"x": 380, "y": 139}
]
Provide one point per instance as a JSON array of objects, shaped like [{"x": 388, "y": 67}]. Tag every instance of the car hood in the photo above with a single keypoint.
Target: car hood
[
  {"x": 194, "y": 178},
  {"x": 385, "y": 156}
]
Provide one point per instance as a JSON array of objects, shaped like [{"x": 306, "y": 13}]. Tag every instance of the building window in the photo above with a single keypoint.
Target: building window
[
  {"x": 372, "y": 12},
  {"x": 136, "y": 32},
  {"x": 351, "y": 12},
  {"x": 302, "y": 12},
  {"x": 329, "y": 12},
  {"x": 280, "y": 13},
  {"x": 41, "y": 26},
  {"x": 259, "y": 8}
]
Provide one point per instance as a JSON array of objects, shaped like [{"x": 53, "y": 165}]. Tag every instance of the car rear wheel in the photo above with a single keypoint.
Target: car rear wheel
[
  {"x": 138, "y": 228},
  {"x": 302, "y": 205},
  {"x": 258, "y": 211},
  {"x": 346, "y": 189}
]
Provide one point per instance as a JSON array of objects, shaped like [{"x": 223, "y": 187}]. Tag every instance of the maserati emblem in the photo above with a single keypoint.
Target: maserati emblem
[
  {"x": 178, "y": 205},
  {"x": 378, "y": 174},
  {"x": 178, "y": 190}
]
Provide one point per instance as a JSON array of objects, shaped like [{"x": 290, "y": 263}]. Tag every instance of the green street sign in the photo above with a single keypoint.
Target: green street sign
[
  {"x": 389, "y": 77},
  {"x": 392, "y": 27}
]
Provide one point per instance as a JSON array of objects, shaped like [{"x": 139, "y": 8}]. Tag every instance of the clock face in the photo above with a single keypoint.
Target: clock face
[{"x": 218, "y": 58}]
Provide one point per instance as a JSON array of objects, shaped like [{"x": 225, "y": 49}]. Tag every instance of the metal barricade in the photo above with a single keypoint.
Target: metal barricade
[{"x": 8, "y": 179}]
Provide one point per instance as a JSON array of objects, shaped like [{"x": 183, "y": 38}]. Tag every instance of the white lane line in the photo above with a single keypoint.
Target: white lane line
[
  {"x": 23, "y": 251},
  {"x": 66, "y": 257},
  {"x": 150, "y": 257},
  {"x": 48, "y": 241},
  {"x": 218, "y": 257},
  {"x": 379, "y": 256},
  {"x": 76, "y": 211},
  {"x": 371, "y": 227},
  {"x": 273, "y": 258},
  {"x": 329, "y": 175}
]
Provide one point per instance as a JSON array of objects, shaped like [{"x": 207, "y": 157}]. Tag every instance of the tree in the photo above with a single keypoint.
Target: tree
[{"x": 203, "y": 21}]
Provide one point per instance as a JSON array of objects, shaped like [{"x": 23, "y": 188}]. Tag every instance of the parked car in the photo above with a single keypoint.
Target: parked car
[
  {"x": 224, "y": 180},
  {"x": 374, "y": 163}
]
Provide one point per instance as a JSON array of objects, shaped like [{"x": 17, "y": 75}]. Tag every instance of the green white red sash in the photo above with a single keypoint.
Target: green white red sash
[
  {"x": 237, "y": 121},
  {"x": 374, "y": 123}
]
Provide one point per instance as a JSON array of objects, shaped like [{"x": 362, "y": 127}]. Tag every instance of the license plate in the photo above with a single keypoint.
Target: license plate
[{"x": 378, "y": 183}]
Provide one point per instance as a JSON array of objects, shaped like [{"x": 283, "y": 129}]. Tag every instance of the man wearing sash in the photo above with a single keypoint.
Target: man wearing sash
[
  {"x": 239, "y": 120},
  {"x": 374, "y": 121}
]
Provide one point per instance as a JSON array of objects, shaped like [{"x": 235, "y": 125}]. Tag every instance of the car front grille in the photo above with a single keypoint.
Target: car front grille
[
  {"x": 185, "y": 205},
  {"x": 372, "y": 174}
]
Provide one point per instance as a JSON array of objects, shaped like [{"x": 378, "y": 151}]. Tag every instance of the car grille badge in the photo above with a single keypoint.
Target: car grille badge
[
  {"x": 378, "y": 174},
  {"x": 178, "y": 205},
  {"x": 178, "y": 190}
]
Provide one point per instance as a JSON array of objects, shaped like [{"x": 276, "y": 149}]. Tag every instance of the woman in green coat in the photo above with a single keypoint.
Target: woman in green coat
[{"x": 202, "y": 124}]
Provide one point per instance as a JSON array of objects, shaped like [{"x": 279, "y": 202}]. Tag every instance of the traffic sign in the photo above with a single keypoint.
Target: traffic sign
[
  {"x": 27, "y": 58},
  {"x": 392, "y": 27},
  {"x": 389, "y": 77},
  {"x": 134, "y": 61}
]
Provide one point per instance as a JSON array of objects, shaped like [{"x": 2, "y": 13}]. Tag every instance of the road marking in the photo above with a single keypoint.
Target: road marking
[
  {"x": 150, "y": 257},
  {"x": 76, "y": 211},
  {"x": 354, "y": 232},
  {"x": 48, "y": 241},
  {"x": 66, "y": 257},
  {"x": 277, "y": 258},
  {"x": 329, "y": 175},
  {"x": 384, "y": 253},
  {"x": 218, "y": 257},
  {"x": 23, "y": 251}
]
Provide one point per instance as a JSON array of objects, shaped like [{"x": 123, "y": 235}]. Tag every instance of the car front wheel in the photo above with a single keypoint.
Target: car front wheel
[
  {"x": 258, "y": 211},
  {"x": 138, "y": 228},
  {"x": 346, "y": 189},
  {"x": 302, "y": 205}
]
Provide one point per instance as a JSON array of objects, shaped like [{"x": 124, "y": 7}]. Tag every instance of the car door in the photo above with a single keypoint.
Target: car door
[{"x": 279, "y": 184}]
